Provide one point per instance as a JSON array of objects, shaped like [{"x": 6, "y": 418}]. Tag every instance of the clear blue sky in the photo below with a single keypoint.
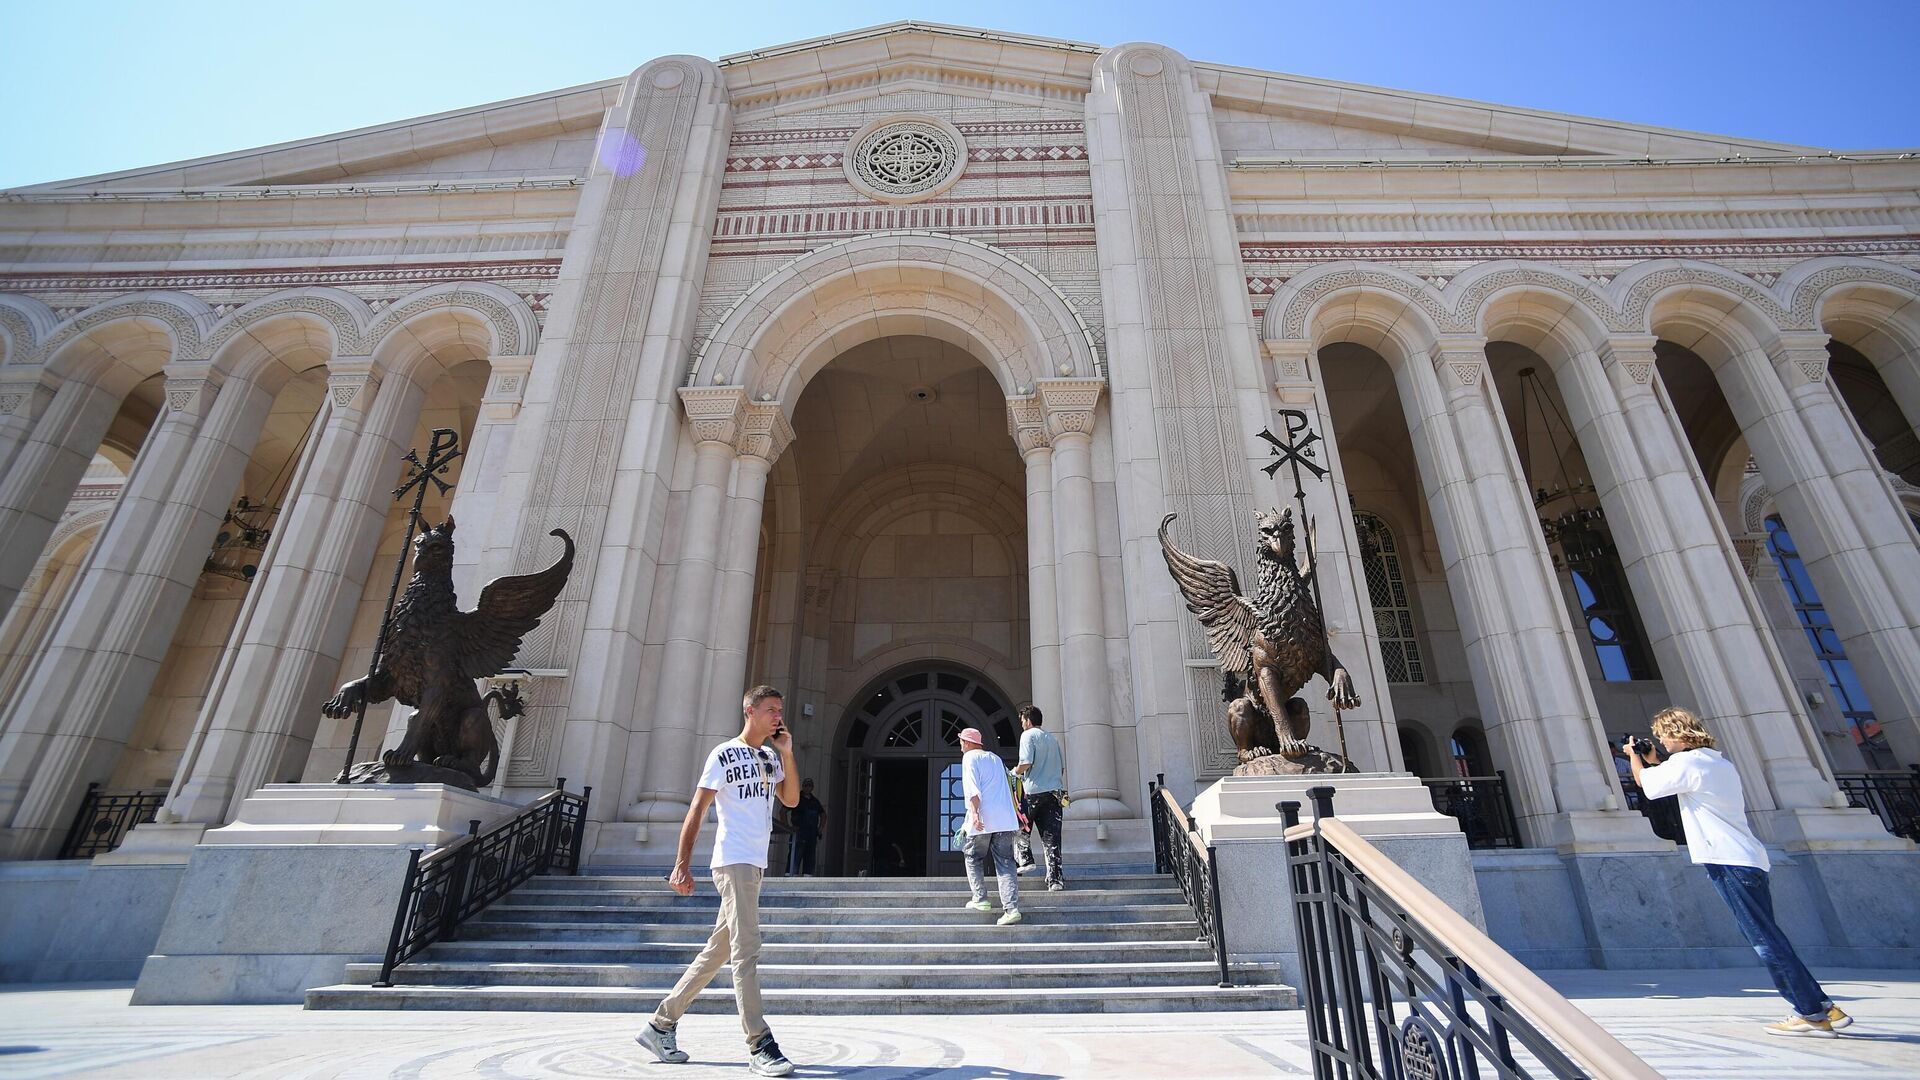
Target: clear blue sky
[{"x": 93, "y": 87}]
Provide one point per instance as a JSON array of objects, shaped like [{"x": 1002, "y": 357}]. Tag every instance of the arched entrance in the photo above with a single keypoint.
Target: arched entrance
[{"x": 898, "y": 768}]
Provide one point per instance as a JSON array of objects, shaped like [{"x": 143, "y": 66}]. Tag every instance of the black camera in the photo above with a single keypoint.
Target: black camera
[{"x": 1643, "y": 747}]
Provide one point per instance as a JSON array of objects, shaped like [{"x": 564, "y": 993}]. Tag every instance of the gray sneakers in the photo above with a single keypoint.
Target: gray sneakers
[
  {"x": 664, "y": 1044},
  {"x": 765, "y": 1059}
]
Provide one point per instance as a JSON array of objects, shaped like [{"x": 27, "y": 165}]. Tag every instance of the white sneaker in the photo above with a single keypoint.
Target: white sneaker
[
  {"x": 1012, "y": 916},
  {"x": 979, "y": 905},
  {"x": 664, "y": 1044}
]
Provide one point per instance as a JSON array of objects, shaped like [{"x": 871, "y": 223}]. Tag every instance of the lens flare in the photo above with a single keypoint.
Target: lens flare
[{"x": 620, "y": 153}]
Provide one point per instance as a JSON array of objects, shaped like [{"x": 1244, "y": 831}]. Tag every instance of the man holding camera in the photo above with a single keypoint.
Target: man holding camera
[
  {"x": 740, "y": 781},
  {"x": 1713, "y": 811}
]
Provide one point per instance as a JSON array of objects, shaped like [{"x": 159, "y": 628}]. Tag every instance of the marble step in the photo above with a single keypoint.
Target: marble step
[
  {"x": 1007, "y": 952},
  {"x": 981, "y": 929},
  {"x": 649, "y": 882},
  {"x": 1032, "y": 892},
  {"x": 946, "y": 914},
  {"x": 814, "y": 1001},
  {"x": 879, "y": 976}
]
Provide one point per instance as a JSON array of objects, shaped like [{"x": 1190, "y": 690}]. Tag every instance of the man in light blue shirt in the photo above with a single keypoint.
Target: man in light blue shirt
[{"x": 1046, "y": 785}]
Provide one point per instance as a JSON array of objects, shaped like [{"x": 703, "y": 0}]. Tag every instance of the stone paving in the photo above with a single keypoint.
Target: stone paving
[{"x": 1687, "y": 1024}]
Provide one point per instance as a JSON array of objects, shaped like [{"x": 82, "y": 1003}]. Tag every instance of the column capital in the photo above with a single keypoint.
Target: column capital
[
  {"x": 1289, "y": 358},
  {"x": 714, "y": 412},
  {"x": 1631, "y": 355},
  {"x": 190, "y": 390},
  {"x": 1459, "y": 359},
  {"x": 1027, "y": 423},
  {"x": 351, "y": 383},
  {"x": 506, "y": 386},
  {"x": 26, "y": 397},
  {"x": 1801, "y": 357},
  {"x": 1069, "y": 404},
  {"x": 765, "y": 432}
]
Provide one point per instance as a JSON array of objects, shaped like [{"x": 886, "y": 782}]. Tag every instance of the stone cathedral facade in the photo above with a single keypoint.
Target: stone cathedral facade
[{"x": 867, "y": 366}]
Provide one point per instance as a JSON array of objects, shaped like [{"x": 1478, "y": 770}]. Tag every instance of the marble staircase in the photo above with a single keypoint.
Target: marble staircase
[{"x": 1125, "y": 943}]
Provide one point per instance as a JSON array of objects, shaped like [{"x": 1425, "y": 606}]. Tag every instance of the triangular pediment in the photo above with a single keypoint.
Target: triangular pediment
[{"x": 542, "y": 135}]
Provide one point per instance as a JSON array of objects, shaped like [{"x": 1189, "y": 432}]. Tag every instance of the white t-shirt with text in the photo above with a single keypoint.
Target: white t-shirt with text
[
  {"x": 985, "y": 775},
  {"x": 743, "y": 779},
  {"x": 1713, "y": 807}
]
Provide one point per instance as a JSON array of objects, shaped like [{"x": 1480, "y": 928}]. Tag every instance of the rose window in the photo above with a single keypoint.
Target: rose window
[{"x": 908, "y": 158}]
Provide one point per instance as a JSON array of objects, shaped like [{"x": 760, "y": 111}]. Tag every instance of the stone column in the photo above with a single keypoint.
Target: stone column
[
  {"x": 83, "y": 695},
  {"x": 263, "y": 705},
  {"x": 1703, "y": 620},
  {"x": 1856, "y": 540},
  {"x": 1086, "y": 696},
  {"x": 44, "y": 469},
  {"x": 713, "y": 414},
  {"x": 1372, "y": 737},
  {"x": 1527, "y": 670},
  {"x": 765, "y": 434},
  {"x": 1027, "y": 423}
]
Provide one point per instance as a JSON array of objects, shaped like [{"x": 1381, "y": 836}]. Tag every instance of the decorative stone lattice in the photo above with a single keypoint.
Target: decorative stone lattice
[{"x": 906, "y": 160}]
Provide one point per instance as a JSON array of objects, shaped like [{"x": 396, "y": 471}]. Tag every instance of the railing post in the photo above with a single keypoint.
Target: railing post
[
  {"x": 1162, "y": 861},
  {"x": 580, "y": 832},
  {"x": 80, "y": 820},
  {"x": 1219, "y": 920},
  {"x": 456, "y": 898},
  {"x": 1512, "y": 822},
  {"x": 399, "y": 920},
  {"x": 550, "y": 839}
]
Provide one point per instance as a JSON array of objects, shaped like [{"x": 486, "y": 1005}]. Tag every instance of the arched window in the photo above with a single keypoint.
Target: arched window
[
  {"x": 1387, "y": 592},
  {"x": 1813, "y": 619},
  {"x": 1609, "y": 617},
  {"x": 1412, "y": 753},
  {"x": 1470, "y": 753}
]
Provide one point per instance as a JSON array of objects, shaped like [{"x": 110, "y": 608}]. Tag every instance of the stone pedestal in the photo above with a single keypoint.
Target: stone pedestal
[
  {"x": 405, "y": 815},
  {"x": 1393, "y": 811},
  {"x": 304, "y": 883}
]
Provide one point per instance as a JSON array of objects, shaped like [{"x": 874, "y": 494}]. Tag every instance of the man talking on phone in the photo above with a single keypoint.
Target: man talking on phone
[{"x": 741, "y": 778}]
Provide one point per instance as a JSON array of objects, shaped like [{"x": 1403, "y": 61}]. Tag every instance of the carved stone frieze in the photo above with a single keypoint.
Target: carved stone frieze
[
  {"x": 1027, "y": 423},
  {"x": 765, "y": 431},
  {"x": 191, "y": 395},
  {"x": 1069, "y": 404}
]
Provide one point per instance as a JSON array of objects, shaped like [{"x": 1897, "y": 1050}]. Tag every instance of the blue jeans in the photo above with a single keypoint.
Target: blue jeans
[
  {"x": 998, "y": 847},
  {"x": 1745, "y": 890}
]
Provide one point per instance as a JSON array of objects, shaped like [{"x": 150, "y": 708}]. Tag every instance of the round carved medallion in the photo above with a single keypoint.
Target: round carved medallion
[{"x": 905, "y": 159}]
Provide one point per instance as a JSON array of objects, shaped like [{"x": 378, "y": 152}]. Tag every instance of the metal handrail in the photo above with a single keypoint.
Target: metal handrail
[
  {"x": 105, "y": 818},
  {"x": 459, "y": 880},
  {"x": 1893, "y": 794},
  {"x": 1194, "y": 864},
  {"x": 1466, "y": 999},
  {"x": 1482, "y": 805}
]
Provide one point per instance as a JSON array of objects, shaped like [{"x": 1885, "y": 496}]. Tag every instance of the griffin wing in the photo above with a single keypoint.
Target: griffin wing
[
  {"x": 486, "y": 638},
  {"x": 1212, "y": 591}
]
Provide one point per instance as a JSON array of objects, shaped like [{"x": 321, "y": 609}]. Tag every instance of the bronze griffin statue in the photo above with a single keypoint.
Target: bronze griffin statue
[
  {"x": 1268, "y": 647},
  {"x": 434, "y": 652}
]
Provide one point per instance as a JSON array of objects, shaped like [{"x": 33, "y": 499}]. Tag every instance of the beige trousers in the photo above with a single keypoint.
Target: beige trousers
[{"x": 735, "y": 940}]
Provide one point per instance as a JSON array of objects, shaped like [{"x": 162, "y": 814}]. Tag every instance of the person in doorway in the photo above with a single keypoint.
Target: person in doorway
[
  {"x": 991, "y": 823},
  {"x": 1045, "y": 778},
  {"x": 808, "y": 817},
  {"x": 740, "y": 780},
  {"x": 1713, "y": 811}
]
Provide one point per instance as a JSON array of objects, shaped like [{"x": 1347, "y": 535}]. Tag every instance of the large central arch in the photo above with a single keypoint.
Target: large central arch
[{"x": 792, "y": 322}]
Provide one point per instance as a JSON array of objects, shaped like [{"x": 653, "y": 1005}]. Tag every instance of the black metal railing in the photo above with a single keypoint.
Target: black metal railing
[
  {"x": 1389, "y": 996},
  {"x": 105, "y": 818},
  {"x": 1178, "y": 850},
  {"x": 1483, "y": 807},
  {"x": 458, "y": 881},
  {"x": 1890, "y": 793},
  {"x": 1663, "y": 814}
]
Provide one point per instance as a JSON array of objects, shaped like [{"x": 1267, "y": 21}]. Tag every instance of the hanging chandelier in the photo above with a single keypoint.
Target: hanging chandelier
[
  {"x": 242, "y": 540},
  {"x": 1571, "y": 517}
]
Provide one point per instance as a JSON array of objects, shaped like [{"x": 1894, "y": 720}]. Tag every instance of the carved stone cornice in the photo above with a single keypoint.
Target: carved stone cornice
[
  {"x": 714, "y": 412},
  {"x": 1069, "y": 404},
  {"x": 765, "y": 431},
  {"x": 506, "y": 386},
  {"x": 1027, "y": 423}
]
